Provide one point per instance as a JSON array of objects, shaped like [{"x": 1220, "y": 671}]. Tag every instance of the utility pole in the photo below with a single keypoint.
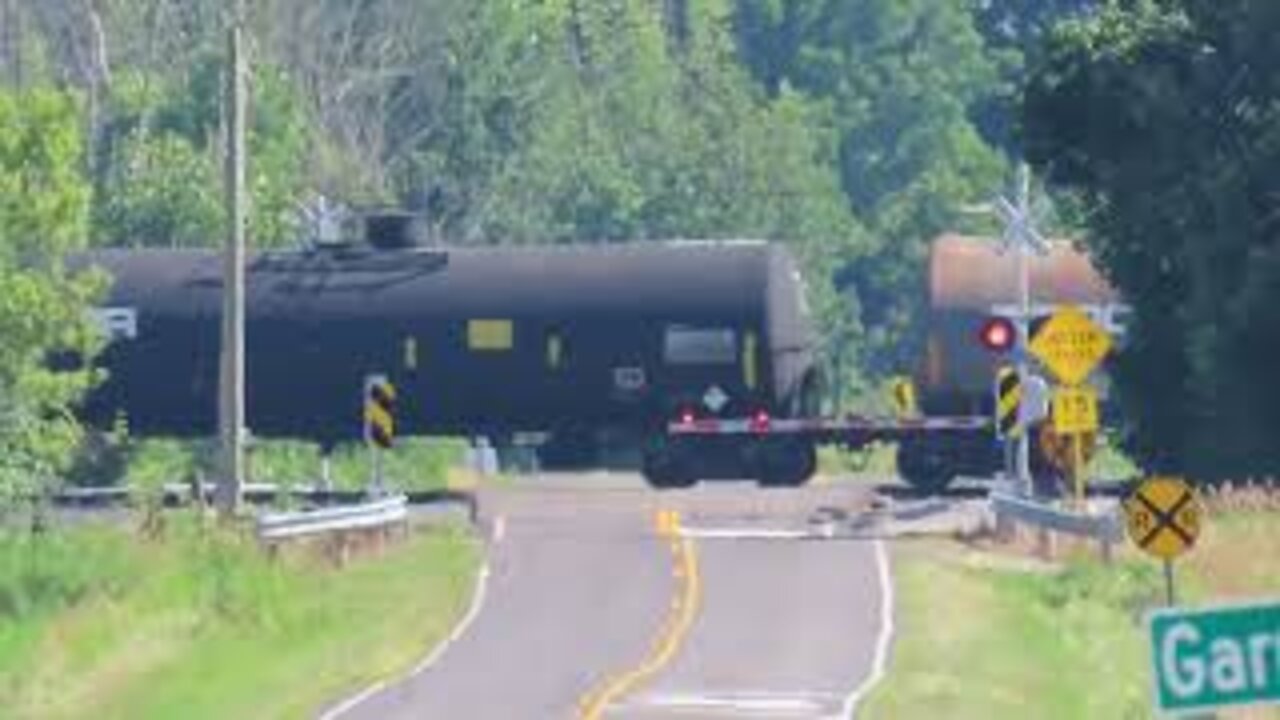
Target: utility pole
[{"x": 232, "y": 402}]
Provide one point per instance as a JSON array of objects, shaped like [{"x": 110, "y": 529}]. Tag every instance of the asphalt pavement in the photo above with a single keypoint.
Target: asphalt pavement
[{"x": 604, "y": 599}]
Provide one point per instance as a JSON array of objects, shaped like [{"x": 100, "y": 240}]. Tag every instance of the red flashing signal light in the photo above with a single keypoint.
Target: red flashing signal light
[
  {"x": 687, "y": 417},
  {"x": 998, "y": 334},
  {"x": 760, "y": 420}
]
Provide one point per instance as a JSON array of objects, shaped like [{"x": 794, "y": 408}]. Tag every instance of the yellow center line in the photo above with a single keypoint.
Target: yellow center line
[{"x": 684, "y": 607}]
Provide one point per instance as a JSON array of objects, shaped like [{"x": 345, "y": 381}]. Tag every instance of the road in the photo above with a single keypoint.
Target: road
[{"x": 603, "y": 599}]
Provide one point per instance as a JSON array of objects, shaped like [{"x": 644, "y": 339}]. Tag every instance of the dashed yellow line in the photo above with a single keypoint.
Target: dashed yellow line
[{"x": 684, "y": 608}]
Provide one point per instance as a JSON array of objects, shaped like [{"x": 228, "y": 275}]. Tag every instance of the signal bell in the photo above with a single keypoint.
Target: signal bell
[{"x": 998, "y": 334}]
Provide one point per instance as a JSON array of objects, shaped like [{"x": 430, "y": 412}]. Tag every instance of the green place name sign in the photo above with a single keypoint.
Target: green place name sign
[{"x": 1215, "y": 657}]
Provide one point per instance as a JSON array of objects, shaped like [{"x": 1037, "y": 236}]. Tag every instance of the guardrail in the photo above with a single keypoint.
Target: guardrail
[
  {"x": 286, "y": 525},
  {"x": 1011, "y": 510}
]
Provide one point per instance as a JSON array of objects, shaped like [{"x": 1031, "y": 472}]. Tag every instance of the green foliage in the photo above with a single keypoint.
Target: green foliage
[
  {"x": 904, "y": 79},
  {"x": 150, "y": 465},
  {"x": 598, "y": 122},
  {"x": 873, "y": 462},
  {"x": 1132, "y": 587},
  {"x": 42, "y": 574},
  {"x": 43, "y": 215},
  {"x": 413, "y": 464},
  {"x": 164, "y": 193},
  {"x": 199, "y": 623},
  {"x": 628, "y": 136},
  {"x": 1031, "y": 640},
  {"x": 160, "y": 180},
  {"x": 850, "y": 130},
  {"x": 1175, "y": 177}
]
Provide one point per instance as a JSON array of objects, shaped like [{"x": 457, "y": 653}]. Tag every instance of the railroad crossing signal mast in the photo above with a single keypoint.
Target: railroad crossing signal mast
[{"x": 1021, "y": 235}]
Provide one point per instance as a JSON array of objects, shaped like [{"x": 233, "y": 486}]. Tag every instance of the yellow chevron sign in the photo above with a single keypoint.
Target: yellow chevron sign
[
  {"x": 379, "y": 411},
  {"x": 1008, "y": 401},
  {"x": 904, "y": 396}
]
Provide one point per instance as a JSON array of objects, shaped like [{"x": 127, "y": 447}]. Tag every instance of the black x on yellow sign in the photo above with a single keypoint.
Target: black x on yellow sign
[{"x": 1163, "y": 517}]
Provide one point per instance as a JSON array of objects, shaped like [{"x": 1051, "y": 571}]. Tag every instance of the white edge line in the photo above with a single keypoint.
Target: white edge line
[
  {"x": 477, "y": 602},
  {"x": 353, "y": 701},
  {"x": 884, "y": 641},
  {"x": 433, "y": 657}
]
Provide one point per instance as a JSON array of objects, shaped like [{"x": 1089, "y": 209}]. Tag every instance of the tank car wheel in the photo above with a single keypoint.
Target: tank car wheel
[
  {"x": 923, "y": 469},
  {"x": 790, "y": 465},
  {"x": 569, "y": 449},
  {"x": 662, "y": 471}
]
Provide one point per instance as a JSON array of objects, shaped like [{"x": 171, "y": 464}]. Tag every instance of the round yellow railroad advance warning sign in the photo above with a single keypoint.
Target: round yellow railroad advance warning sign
[{"x": 1162, "y": 517}]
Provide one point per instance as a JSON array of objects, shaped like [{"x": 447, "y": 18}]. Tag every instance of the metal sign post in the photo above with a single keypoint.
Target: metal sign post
[
  {"x": 1075, "y": 413},
  {"x": 379, "y": 425},
  {"x": 1077, "y": 467}
]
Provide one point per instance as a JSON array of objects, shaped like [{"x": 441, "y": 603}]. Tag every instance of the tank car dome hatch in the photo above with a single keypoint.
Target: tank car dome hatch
[{"x": 393, "y": 229}]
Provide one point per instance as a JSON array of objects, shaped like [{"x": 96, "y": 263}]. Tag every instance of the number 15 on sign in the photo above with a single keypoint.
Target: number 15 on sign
[{"x": 1075, "y": 410}]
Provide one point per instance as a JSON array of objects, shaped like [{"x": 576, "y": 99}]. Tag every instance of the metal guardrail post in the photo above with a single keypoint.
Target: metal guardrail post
[{"x": 1104, "y": 528}]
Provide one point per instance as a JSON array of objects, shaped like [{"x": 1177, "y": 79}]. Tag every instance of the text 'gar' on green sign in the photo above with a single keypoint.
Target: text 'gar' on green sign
[{"x": 1215, "y": 657}]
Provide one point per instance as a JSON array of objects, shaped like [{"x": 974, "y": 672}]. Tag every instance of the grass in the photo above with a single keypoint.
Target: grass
[
  {"x": 413, "y": 464},
  {"x": 875, "y": 461},
  {"x": 95, "y": 622},
  {"x": 982, "y": 637}
]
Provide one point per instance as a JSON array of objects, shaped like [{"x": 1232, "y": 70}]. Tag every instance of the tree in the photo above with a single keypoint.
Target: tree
[
  {"x": 161, "y": 182},
  {"x": 904, "y": 79},
  {"x": 44, "y": 202},
  {"x": 1161, "y": 116}
]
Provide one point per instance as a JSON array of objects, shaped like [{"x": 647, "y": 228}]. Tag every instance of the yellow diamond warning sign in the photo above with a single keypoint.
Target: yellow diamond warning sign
[{"x": 1070, "y": 345}]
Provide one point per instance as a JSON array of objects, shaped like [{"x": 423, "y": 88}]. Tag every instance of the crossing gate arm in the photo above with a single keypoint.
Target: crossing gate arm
[{"x": 851, "y": 430}]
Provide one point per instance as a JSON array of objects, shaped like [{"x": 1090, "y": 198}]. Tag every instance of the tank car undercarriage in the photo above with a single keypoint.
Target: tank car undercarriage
[{"x": 772, "y": 462}]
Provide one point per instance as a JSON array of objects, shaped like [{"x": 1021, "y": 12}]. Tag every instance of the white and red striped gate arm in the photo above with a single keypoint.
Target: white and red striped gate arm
[{"x": 818, "y": 428}]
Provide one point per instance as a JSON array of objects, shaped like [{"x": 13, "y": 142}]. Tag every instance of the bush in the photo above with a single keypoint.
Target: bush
[{"x": 42, "y": 573}]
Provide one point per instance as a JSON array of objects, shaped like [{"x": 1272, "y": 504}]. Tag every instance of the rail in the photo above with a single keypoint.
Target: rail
[{"x": 285, "y": 525}]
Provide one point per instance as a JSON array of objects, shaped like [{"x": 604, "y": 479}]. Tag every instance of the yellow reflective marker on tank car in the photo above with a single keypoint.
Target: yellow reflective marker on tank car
[
  {"x": 411, "y": 353},
  {"x": 490, "y": 334},
  {"x": 750, "y": 372},
  {"x": 555, "y": 350}
]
